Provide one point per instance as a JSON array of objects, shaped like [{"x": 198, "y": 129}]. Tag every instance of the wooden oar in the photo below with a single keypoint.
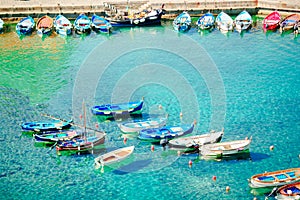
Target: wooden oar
[{"x": 73, "y": 124}]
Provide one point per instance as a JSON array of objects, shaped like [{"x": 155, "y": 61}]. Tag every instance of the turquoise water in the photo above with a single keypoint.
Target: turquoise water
[{"x": 247, "y": 84}]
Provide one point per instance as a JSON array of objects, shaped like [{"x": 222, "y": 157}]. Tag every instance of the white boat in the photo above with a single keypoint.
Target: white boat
[
  {"x": 62, "y": 25},
  {"x": 223, "y": 149},
  {"x": 138, "y": 125},
  {"x": 196, "y": 140},
  {"x": 290, "y": 191},
  {"x": 275, "y": 178},
  {"x": 243, "y": 21},
  {"x": 113, "y": 156},
  {"x": 1, "y": 25},
  {"x": 224, "y": 22}
]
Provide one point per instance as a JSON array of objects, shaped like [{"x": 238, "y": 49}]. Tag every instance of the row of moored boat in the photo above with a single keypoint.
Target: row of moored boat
[
  {"x": 45, "y": 25},
  {"x": 242, "y": 22}
]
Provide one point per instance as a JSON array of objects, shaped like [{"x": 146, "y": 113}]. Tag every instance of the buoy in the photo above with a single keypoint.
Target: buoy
[
  {"x": 214, "y": 178},
  {"x": 125, "y": 140},
  {"x": 190, "y": 163},
  {"x": 178, "y": 153},
  {"x": 97, "y": 125},
  {"x": 152, "y": 147},
  {"x": 271, "y": 148},
  {"x": 227, "y": 189}
]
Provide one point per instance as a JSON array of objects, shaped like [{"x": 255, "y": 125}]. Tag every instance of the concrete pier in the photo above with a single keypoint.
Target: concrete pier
[{"x": 71, "y": 8}]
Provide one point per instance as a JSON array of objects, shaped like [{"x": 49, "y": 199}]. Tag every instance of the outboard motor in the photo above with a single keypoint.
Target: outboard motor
[{"x": 163, "y": 142}]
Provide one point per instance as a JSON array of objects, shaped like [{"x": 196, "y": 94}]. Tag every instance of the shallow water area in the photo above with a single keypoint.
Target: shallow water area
[{"x": 246, "y": 83}]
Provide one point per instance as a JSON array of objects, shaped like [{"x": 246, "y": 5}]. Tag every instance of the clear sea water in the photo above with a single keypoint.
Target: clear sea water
[{"x": 246, "y": 83}]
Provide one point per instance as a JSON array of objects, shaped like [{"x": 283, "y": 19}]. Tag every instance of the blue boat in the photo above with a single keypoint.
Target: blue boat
[
  {"x": 25, "y": 26},
  {"x": 81, "y": 143},
  {"x": 206, "y": 21},
  {"x": 182, "y": 22},
  {"x": 99, "y": 24},
  {"x": 52, "y": 137},
  {"x": 166, "y": 133},
  {"x": 243, "y": 21},
  {"x": 110, "y": 110},
  {"x": 46, "y": 126},
  {"x": 82, "y": 24},
  {"x": 62, "y": 25}
]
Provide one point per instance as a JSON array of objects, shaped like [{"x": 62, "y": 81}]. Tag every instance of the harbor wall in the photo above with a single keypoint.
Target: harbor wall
[{"x": 71, "y": 8}]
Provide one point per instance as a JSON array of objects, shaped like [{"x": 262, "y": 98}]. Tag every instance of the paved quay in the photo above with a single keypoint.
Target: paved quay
[{"x": 14, "y": 9}]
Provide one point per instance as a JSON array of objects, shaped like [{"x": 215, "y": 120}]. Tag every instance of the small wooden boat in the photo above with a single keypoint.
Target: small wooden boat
[
  {"x": 243, "y": 21},
  {"x": 46, "y": 126},
  {"x": 81, "y": 143},
  {"x": 1, "y": 25},
  {"x": 271, "y": 21},
  {"x": 195, "y": 141},
  {"x": 82, "y": 24},
  {"x": 62, "y": 25},
  {"x": 206, "y": 21},
  {"x": 290, "y": 191},
  {"x": 56, "y": 136},
  {"x": 44, "y": 25},
  {"x": 166, "y": 133},
  {"x": 110, "y": 110},
  {"x": 182, "y": 22},
  {"x": 99, "y": 24},
  {"x": 275, "y": 178},
  {"x": 150, "y": 18},
  {"x": 25, "y": 26},
  {"x": 138, "y": 125},
  {"x": 289, "y": 22},
  {"x": 113, "y": 157},
  {"x": 224, "y": 22},
  {"x": 223, "y": 149}
]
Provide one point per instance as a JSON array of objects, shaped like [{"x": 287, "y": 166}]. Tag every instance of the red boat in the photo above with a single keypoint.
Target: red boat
[
  {"x": 289, "y": 22},
  {"x": 271, "y": 21}
]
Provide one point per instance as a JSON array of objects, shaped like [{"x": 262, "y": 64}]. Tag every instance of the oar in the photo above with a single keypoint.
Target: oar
[
  {"x": 73, "y": 124},
  {"x": 274, "y": 189},
  {"x": 52, "y": 147}
]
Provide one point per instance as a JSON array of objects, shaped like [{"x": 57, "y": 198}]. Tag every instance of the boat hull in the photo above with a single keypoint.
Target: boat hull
[
  {"x": 225, "y": 149},
  {"x": 149, "y": 19},
  {"x": 167, "y": 133},
  {"x": 182, "y": 22},
  {"x": 44, "y": 26},
  {"x": 113, "y": 157},
  {"x": 25, "y": 26},
  {"x": 46, "y": 126},
  {"x": 289, "y": 192},
  {"x": 111, "y": 110},
  {"x": 276, "y": 178},
  {"x": 224, "y": 22},
  {"x": 62, "y": 25},
  {"x": 195, "y": 140},
  {"x": 80, "y": 145},
  {"x": 206, "y": 22},
  {"x": 82, "y": 24},
  {"x": 138, "y": 125},
  {"x": 271, "y": 21}
]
